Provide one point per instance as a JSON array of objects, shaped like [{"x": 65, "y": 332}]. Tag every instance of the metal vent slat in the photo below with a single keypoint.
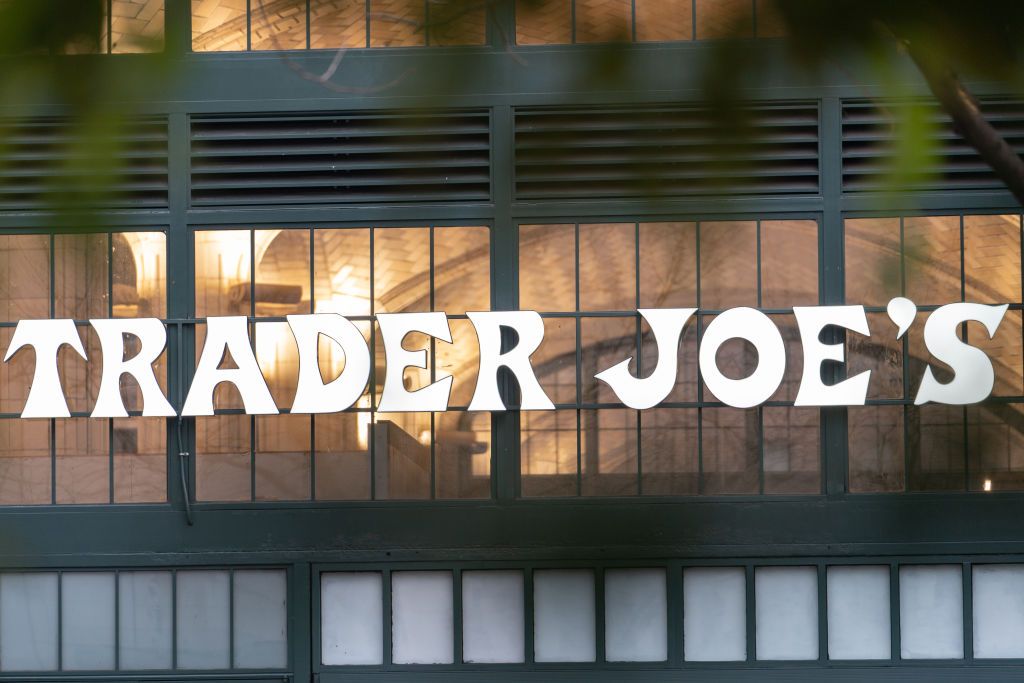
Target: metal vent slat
[
  {"x": 44, "y": 166},
  {"x": 869, "y": 137},
  {"x": 664, "y": 151},
  {"x": 340, "y": 158}
]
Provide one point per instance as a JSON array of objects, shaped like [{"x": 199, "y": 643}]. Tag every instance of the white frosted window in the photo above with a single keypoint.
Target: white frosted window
[
  {"x": 858, "y": 613},
  {"x": 421, "y": 618},
  {"x": 563, "y": 613},
  {"x": 492, "y": 617},
  {"x": 931, "y": 612},
  {"x": 261, "y": 619},
  {"x": 635, "y": 615},
  {"x": 203, "y": 626},
  {"x": 352, "y": 618},
  {"x": 87, "y": 620},
  {"x": 144, "y": 622},
  {"x": 714, "y": 614},
  {"x": 28, "y": 622},
  {"x": 786, "y": 612},
  {"x": 998, "y": 611}
]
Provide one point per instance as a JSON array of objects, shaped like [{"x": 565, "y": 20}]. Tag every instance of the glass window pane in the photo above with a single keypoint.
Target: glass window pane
[
  {"x": 880, "y": 353},
  {"x": 998, "y": 591},
  {"x": 563, "y": 613},
  {"x": 462, "y": 274},
  {"x": 554, "y": 363},
  {"x": 343, "y": 456},
  {"x": 730, "y": 438},
  {"x": 222, "y": 265},
  {"x": 931, "y": 258},
  {"x": 931, "y": 612},
  {"x": 282, "y": 457},
  {"x": 144, "y": 620},
  {"x": 140, "y": 460},
  {"x": 992, "y": 258},
  {"x": 341, "y": 271},
  {"x": 492, "y": 617},
  {"x": 543, "y": 23},
  {"x": 664, "y": 20},
  {"x": 422, "y": 618},
  {"x": 453, "y": 22},
  {"x": 935, "y": 448},
  {"x": 858, "y": 612},
  {"x": 282, "y": 272},
  {"x": 225, "y": 395},
  {"x": 223, "y": 463},
  {"x": 136, "y": 26},
  {"x": 769, "y": 21},
  {"x": 714, "y": 614},
  {"x": 1005, "y": 352},
  {"x": 606, "y": 342},
  {"x": 462, "y": 454},
  {"x": 280, "y": 25},
  {"x": 351, "y": 618},
  {"x": 602, "y": 21},
  {"x": 793, "y": 376},
  {"x": 789, "y": 264},
  {"x": 872, "y": 260},
  {"x": 28, "y": 621},
  {"x": 607, "y": 267},
  {"x": 636, "y": 615},
  {"x": 401, "y": 269},
  {"x": 668, "y": 261},
  {"x": 87, "y": 621},
  {"x": 547, "y": 451},
  {"x": 728, "y": 264},
  {"x": 792, "y": 450},
  {"x": 83, "y": 460},
  {"x": 668, "y": 448},
  {"x": 260, "y": 618},
  {"x": 79, "y": 378},
  {"x": 608, "y": 442},
  {"x": 875, "y": 442},
  {"x": 996, "y": 447},
  {"x": 24, "y": 462},
  {"x": 401, "y": 453},
  {"x": 24, "y": 277},
  {"x": 278, "y": 358},
  {"x": 461, "y": 360},
  {"x": 140, "y": 274},
  {"x": 80, "y": 276},
  {"x": 786, "y": 612},
  {"x": 337, "y": 23},
  {"x": 685, "y": 388},
  {"x": 725, "y": 19},
  {"x": 397, "y": 23},
  {"x": 547, "y": 269},
  {"x": 202, "y": 609},
  {"x": 218, "y": 25}
]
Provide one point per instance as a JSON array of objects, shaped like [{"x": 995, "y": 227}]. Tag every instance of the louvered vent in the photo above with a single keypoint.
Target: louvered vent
[
  {"x": 664, "y": 151},
  {"x": 52, "y": 164},
  {"x": 869, "y": 134},
  {"x": 340, "y": 158}
]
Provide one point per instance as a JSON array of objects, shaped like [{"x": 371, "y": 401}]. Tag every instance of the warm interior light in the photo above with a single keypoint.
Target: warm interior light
[
  {"x": 149, "y": 253},
  {"x": 987, "y": 485},
  {"x": 363, "y": 423}
]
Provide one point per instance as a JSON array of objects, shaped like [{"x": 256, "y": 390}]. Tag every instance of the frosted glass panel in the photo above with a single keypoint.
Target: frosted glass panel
[
  {"x": 144, "y": 622},
  {"x": 28, "y": 622},
  {"x": 351, "y": 618},
  {"x": 203, "y": 601},
  {"x": 931, "y": 612},
  {"x": 786, "y": 600},
  {"x": 858, "y": 613},
  {"x": 998, "y": 610},
  {"x": 421, "y": 614},
  {"x": 714, "y": 614},
  {"x": 87, "y": 619},
  {"x": 261, "y": 619},
  {"x": 492, "y": 617},
  {"x": 564, "y": 621},
  {"x": 635, "y": 615}
]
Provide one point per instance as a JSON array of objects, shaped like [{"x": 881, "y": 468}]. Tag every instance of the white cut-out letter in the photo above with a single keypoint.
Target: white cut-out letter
[
  {"x": 393, "y": 329},
  {"x": 667, "y": 325},
  {"x": 812, "y": 320},
  {"x": 973, "y": 376},
  {"x": 529, "y": 327},
  {"x": 152, "y": 336},
  {"x": 759, "y": 330},
  {"x": 230, "y": 334},
  {"x": 311, "y": 394},
  {"x": 45, "y": 396}
]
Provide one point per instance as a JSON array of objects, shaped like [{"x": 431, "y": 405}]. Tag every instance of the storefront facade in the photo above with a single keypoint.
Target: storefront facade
[{"x": 590, "y": 542}]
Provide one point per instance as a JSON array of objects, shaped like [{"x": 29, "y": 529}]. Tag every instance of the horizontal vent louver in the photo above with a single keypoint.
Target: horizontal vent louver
[
  {"x": 869, "y": 136},
  {"x": 664, "y": 151},
  {"x": 341, "y": 158},
  {"x": 51, "y": 164}
]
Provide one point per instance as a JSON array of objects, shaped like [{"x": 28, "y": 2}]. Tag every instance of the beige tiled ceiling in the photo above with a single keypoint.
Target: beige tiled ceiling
[
  {"x": 136, "y": 25},
  {"x": 278, "y": 25},
  {"x": 397, "y": 23},
  {"x": 457, "y": 22},
  {"x": 219, "y": 25},
  {"x": 543, "y": 22},
  {"x": 725, "y": 19},
  {"x": 600, "y": 21},
  {"x": 337, "y": 24},
  {"x": 662, "y": 20}
]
